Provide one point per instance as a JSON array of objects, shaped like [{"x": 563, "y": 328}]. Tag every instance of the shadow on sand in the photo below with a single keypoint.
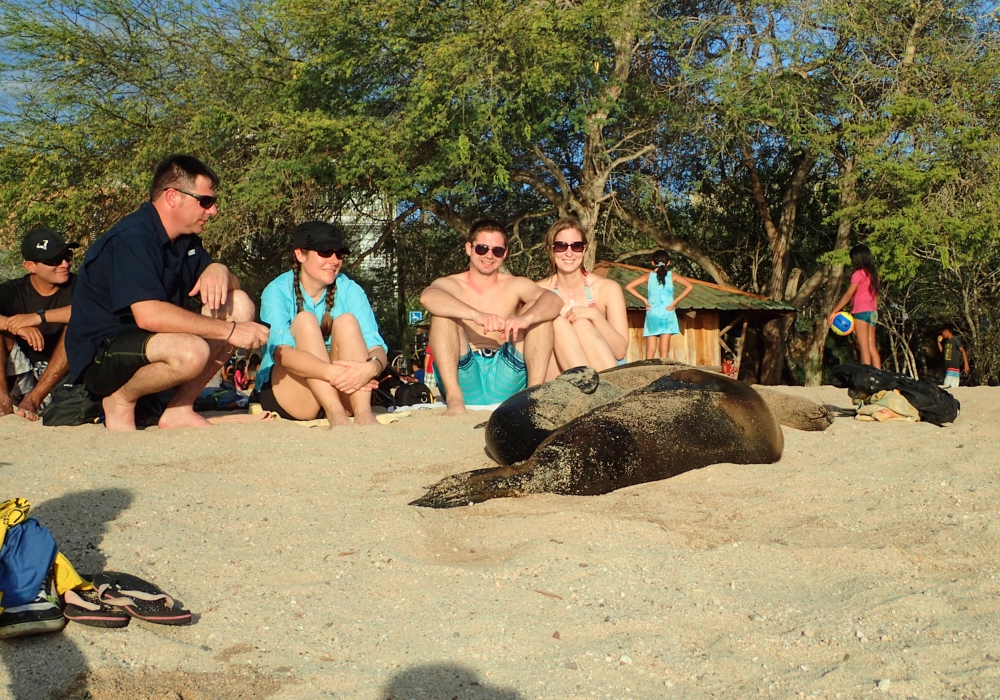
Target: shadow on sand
[
  {"x": 42, "y": 665},
  {"x": 443, "y": 681}
]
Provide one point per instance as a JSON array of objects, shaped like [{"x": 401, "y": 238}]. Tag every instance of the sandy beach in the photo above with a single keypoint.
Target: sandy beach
[{"x": 864, "y": 563}]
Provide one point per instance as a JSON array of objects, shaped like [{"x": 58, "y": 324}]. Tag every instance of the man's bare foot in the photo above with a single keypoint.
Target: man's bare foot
[
  {"x": 28, "y": 409},
  {"x": 366, "y": 418},
  {"x": 118, "y": 415},
  {"x": 456, "y": 408},
  {"x": 6, "y": 405},
  {"x": 182, "y": 417}
]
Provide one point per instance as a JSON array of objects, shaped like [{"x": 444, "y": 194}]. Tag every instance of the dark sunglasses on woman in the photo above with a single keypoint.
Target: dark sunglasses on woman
[
  {"x": 483, "y": 249},
  {"x": 325, "y": 254},
  {"x": 575, "y": 246}
]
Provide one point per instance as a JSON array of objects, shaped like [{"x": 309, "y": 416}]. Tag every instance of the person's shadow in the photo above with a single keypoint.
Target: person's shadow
[
  {"x": 446, "y": 681},
  {"x": 41, "y": 666}
]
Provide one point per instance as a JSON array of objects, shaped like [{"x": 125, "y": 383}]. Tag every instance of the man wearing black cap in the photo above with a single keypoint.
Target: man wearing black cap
[
  {"x": 132, "y": 333},
  {"x": 34, "y": 311}
]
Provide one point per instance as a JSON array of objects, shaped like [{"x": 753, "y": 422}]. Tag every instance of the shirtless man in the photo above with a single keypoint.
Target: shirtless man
[
  {"x": 134, "y": 329},
  {"x": 491, "y": 333}
]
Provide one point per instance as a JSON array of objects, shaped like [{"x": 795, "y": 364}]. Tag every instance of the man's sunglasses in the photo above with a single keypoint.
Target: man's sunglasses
[
  {"x": 575, "y": 246},
  {"x": 56, "y": 262},
  {"x": 326, "y": 254},
  {"x": 483, "y": 249},
  {"x": 207, "y": 201}
]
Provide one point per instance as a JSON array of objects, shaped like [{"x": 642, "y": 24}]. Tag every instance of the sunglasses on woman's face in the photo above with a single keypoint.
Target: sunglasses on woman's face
[
  {"x": 325, "y": 254},
  {"x": 483, "y": 249},
  {"x": 562, "y": 246}
]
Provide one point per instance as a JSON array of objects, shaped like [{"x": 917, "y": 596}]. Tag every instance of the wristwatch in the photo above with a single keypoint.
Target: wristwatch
[{"x": 41, "y": 315}]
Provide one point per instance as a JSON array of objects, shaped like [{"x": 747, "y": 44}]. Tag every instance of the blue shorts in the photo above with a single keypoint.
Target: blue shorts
[
  {"x": 661, "y": 322},
  {"x": 489, "y": 376},
  {"x": 869, "y": 317}
]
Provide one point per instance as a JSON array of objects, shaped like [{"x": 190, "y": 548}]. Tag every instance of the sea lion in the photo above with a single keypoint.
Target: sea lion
[
  {"x": 791, "y": 411},
  {"x": 523, "y": 421},
  {"x": 680, "y": 422}
]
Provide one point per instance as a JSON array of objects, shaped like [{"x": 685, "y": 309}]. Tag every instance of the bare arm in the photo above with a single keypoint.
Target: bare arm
[
  {"x": 684, "y": 282},
  {"x": 848, "y": 295},
  {"x": 164, "y": 317},
  {"x": 441, "y": 299},
  {"x": 632, "y": 286},
  {"x": 965, "y": 357}
]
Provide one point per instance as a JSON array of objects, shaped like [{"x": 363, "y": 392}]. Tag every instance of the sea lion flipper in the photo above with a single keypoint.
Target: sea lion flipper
[
  {"x": 473, "y": 487},
  {"x": 586, "y": 379}
]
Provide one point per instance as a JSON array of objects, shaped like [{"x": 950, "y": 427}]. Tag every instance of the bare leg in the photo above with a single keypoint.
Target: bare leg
[
  {"x": 180, "y": 412},
  {"x": 174, "y": 359},
  {"x": 665, "y": 346},
  {"x": 873, "y": 348},
  {"x": 347, "y": 343},
  {"x": 598, "y": 353},
  {"x": 569, "y": 352},
  {"x": 449, "y": 342},
  {"x": 862, "y": 332},
  {"x": 58, "y": 368},
  {"x": 6, "y": 405},
  {"x": 650, "y": 347},
  {"x": 303, "y": 397},
  {"x": 537, "y": 351},
  {"x": 553, "y": 370}
]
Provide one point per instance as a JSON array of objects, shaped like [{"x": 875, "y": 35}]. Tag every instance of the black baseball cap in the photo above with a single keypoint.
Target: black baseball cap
[
  {"x": 42, "y": 244},
  {"x": 318, "y": 235}
]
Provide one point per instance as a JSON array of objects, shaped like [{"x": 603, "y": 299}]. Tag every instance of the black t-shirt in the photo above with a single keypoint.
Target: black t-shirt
[
  {"x": 134, "y": 261},
  {"x": 20, "y": 297},
  {"x": 952, "y": 353}
]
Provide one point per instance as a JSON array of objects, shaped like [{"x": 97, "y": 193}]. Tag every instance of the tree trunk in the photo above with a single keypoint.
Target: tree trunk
[{"x": 834, "y": 275}]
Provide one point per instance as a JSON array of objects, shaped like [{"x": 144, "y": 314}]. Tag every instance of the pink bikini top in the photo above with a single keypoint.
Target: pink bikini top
[{"x": 586, "y": 290}]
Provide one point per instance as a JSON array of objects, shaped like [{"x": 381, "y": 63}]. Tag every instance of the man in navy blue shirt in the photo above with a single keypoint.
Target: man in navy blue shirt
[{"x": 135, "y": 329}]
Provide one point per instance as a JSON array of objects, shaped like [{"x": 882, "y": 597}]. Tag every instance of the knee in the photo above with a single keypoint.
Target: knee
[
  {"x": 346, "y": 323},
  {"x": 304, "y": 322},
  {"x": 192, "y": 354},
  {"x": 243, "y": 308}
]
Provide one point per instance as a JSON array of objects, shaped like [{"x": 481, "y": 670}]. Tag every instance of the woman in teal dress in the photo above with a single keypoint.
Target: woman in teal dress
[{"x": 661, "y": 318}]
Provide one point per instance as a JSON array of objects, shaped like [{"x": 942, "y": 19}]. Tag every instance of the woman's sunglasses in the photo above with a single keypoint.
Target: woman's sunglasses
[
  {"x": 575, "y": 246},
  {"x": 483, "y": 249},
  {"x": 326, "y": 254},
  {"x": 207, "y": 201}
]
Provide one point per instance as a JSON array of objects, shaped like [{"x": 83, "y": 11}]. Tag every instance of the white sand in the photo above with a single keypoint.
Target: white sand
[{"x": 868, "y": 554}]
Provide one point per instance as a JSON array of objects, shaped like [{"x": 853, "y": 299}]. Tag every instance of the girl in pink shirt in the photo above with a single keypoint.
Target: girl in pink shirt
[{"x": 863, "y": 295}]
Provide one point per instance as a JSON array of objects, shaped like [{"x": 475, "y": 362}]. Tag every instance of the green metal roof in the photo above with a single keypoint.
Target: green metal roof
[{"x": 705, "y": 295}]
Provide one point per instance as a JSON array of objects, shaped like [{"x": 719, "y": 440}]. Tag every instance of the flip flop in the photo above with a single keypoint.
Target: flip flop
[
  {"x": 96, "y": 608},
  {"x": 143, "y": 599}
]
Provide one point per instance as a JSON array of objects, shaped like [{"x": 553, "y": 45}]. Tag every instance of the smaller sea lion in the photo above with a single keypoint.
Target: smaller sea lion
[
  {"x": 795, "y": 411},
  {"x": 523, "y": 421}
]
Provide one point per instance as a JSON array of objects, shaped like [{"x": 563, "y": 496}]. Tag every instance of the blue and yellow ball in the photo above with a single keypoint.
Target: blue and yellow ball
[{"x": 843, "y": 323}]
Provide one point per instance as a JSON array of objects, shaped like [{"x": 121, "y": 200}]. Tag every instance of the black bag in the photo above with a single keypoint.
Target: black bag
[
  {"x": 72, "y": 404},
  {"x": 936, "y": 405},
  {"x": 413, "y": 393}
]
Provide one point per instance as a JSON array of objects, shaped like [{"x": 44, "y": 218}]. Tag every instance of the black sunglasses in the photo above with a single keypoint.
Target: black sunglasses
[
  {"x": 207, "y": 201},
  {"x": 483, "y": 249},
  {"x": 326, "y": 254},
  {"x": 56, "y": 262},
  {"x": 561, "y": 246}
]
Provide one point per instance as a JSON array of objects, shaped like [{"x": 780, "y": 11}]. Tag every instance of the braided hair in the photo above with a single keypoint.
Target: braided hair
[
  {"x": 661, "y": 260},
  {"x": 326, "y": 325}
]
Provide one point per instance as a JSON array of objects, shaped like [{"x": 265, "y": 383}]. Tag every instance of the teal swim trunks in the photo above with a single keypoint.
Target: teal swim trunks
[{"x": 489, "y": 376}]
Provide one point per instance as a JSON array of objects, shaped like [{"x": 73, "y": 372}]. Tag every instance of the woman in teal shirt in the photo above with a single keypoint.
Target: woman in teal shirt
[{"x": 324, "y": 352}]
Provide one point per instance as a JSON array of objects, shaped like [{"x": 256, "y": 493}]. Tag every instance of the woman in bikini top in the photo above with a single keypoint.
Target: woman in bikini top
[{"x": 592, "y": 329}]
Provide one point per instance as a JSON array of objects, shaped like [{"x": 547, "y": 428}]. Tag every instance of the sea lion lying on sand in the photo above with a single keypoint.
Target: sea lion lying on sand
[{"x": 684, "y": 420}]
